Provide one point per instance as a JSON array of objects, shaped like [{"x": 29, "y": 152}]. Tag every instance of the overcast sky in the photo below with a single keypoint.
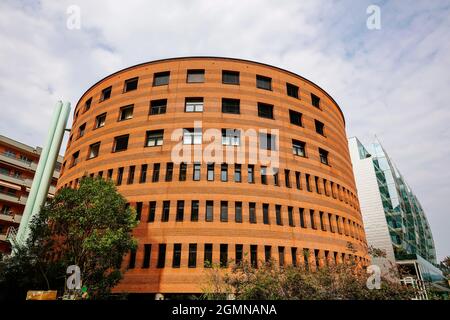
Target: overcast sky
[{"x": 393, "y": 82}]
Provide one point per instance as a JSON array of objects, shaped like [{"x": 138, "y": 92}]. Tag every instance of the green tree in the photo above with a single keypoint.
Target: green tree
[{"x": 89, "y": 227}]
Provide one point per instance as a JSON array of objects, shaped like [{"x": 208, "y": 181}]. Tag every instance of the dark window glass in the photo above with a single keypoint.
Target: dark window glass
[
  {"x": 151, "y": 211},
  {"x": 231, "y": 137},
  {"x": 323, "y": 154},
  {"x": 131, "y": 175},
  {"x": 109, "y": 174},
  {"x": 196, "y": 172},
  {"x": 180, "y": 210},
  {"x": 224, "y": 211},
  {"x": 278, "y": 215},
  {"x": 183, "y": 170},
  {"x": 161, "y": 78},
  {"x": 239, "y": 253},
  {"x": 302, "y": 217},
  {"x": 294, "y": 256},
  {"x": 230, "y": 77},
  {"x": 319, "y": 127},
  {"x": 223, "y": 255},
  {"x": 322, "y": 224},
  {"x": 156, "y": 169},
  {"x": 276, "y": 180},
  {"x": 281, "y": 256},
  {"x": 210, "y": 173},
  {"x": 193, "y": 105},
  {"x": 315, "y": 100},
  {"x": 306, "y": 258},
  {"x": 94, "y": 150},
  {"x": 143, "y": 176},
  {"x": 224, "y": 172},
  {"x": 254, "y": 255},
  {"x": 297, "y": 180},
  {"x": 265, "y": 110},
  {"x": 267, "y": 141},
  {"x": 169, "y": 171},
  {"x": 82, "y": 130},
  {"x": 208, "y": 255},
  {"x": 267, "y": 253},
  {"x": 292, "y": 90},
  {"x": 231, "y": 106},
  {"x": 209, "y": 211},
  {"x": 298, "y": 148},
  {"x": 194, "y": 210},
  {"x": 161, "y": 256},
  {"x": 308, "y": 182},
  {"x": 263, "y": 82},
  {"x": 263, "y": 175},
  {"x": 195, "y": 76},
  {"x": 192, "y": 260},
  {"x": 290, "y": 216},
  {"x": 265, "y": 213},
  {"x": 165, "y": 211},
  {"x": 154, "y": 138},
  {"x": 311, "y": 217},
  {"x": 131, "y": 84},
  {"x": 238, "y": 211},
  {"x": 252, "y": 212},
  {"x": 87, "y": 104},
  {"x": 119, "y": 176},
  {"x": 295, "y": 118},
  {"x": 100, "y": 120},
  {"x": 158, "y": 106},
  {"x": 106, "y": 94},
  {"x": 132, "y": 262},
  {"x": 147, "y": 255},
  {"x": 316, "y": 180},
  {"x": 287, "y": 178},
  {"x": 138, "y": 211},
  {"x": 251, "y": 173},
  {"x": 237, "y": 173},
  {"x": 121, "y": 143},
  {"x": 176, "y": 261}
]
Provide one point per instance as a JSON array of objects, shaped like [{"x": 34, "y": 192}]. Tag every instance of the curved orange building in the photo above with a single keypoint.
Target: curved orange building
[{"x": 298, "y": 207}]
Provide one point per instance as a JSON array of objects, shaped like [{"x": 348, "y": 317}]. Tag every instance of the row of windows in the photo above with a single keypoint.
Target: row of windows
[
  {"x": 313, "y": 258},
  {"x": 198, "y": 76},
  {"x": 301, "y": 181}
]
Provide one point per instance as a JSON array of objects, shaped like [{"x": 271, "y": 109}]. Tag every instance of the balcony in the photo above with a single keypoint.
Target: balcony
[
  {"x": 16, "y": 180},
  {"x": 15, "y": 218},
  {"x": 17, "y": 162},
  {"x": 2, "y": 236},
  {"x": 14, "y": 199}
]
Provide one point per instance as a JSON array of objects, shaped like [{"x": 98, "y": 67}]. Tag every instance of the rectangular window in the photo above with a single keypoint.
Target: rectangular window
[
  {"x": 237, "y": 173},
  {"x": 156, "y": 169},
  {"x": 323, "y": 154},
  {"x": 287, "y": 178},
  {"x": 210, "y": 173},
  {"x": 239, "y": 253},
  {"x": 180, "y": 210},
  {"x": 169, "y": 171},
  {"x": 176, "y": 261},
  {"x": 238, "y": 211},
  {"x": 254, "y": 255},
  {"x": 138, "y": 211},
  {"x": 209, "y": 211},
  {"x": 231, "y": 137},
  {"x": 315, "y": 100},
  {"x": 308, "y": 182},
  {"x": 82, "y": 130},
  {"x": 306, "y": 258},
  {"x": 265, "y": 110},
  {"x": 165, "y": 211},
  {"x": 281, "y": 256},
  {"x": 224, "y": 211},
  {"x": 121, "y": 143},
  {"x": 292, "y": 90},
  {"x": 192, "y": 260},
  {"x": 322, "y": 225},
  {"x": 147, "y": 255},
  {"x": 294, "y": 256},
  {"x": 230, "y": 77},
  {"x": 316, "y": 182},
  {"x": 196, "y": 172},
  {"x": 161, "y": 256},
  {"x": 151, "y": 211},
  {"x": 192, "y": 136},
  {"x": 278, "y": 215},
  {"x": 265, "y": 213},
  {"x": 106, "y": 94},
  {"x": 126, "y": 113},
  {"x": 276, "y": 180},
  {"x": 208, "y": 255},
  {"x": 302, "y": 217},
  {"x": 132, "y": 262},
  {"x": 329, "y": 223},
  {"x": 298, "y": 148},
  {"x": 223, "y": 255},
  {"x": 231, "y": 106},
  {"x": 267, "y": 141},
  {"x": 158, "y": 106},
  {"x": 94, "y": 150},
  {"x": 194, "y": 210},
  {"x": 131, "y": 84},
  {"x": 267, "y": 253},
  {"x": 319, "y": 127},
  {"x": 224, "y": 172},
  {"x": 290, "y": 216},
  {"x": 263, "y": 82},
  {"x": 195, "y": 76},
  {"x": 143, "y": 176},
  {"x": 131, "y": 171},
  {"x": 100, "y": 120},
  {"x": 161, "y": 78},
  {"x": 295, "y": 118},
  {"x": 183, "y": 170},
  {"x": 109, "y": 174},
  {"x": 119, "y": 176},
  {"x": 263, "y": 175},
  {"x": 252, "y": 212},
  {"x": 311, "y": 217},
  {"x": 87, "y": 104},
  {"x": 193, "y": 105},
  {"x": 251, "y": 173}
]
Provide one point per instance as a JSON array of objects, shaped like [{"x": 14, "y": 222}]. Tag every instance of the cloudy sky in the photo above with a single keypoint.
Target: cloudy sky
[{"x": 393, "y": 82}]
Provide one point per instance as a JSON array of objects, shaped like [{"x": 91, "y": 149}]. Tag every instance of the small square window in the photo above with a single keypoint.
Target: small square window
[
  {"x": 295, "y": 118},
  {"x": 192, "y": 136},
  {"x": 120, "y": 143},
  {"x": 231, "y": 137},
  {"x": 263, "y": 82},
  {"x": 319, "y": 127},
  {"x": 315, "y": 100},
  {"x": 230, "y": 77},
  {"x": 100, "y": 120},
  {"x": 106, "y": 94},
  {"x": 230, "y": 106},
  {"x": 154, "y": 138},
  {"x": 298, "y": 148},
  {"x": 323, "y": 154},
  {"x": 131, "y": 84},
  {"x": 292, "y": 90},
  {"x": 267, "y": 141},
  {"x": 94, "y": 150},
  {"x": 87, "y": 104},
  {"x": 195, "y": 76},
  {"x": 265, "y": 110},
  {"x": 158, "y": 106},
  {"x": 161, "y": 78},
  {"x": 193, "y": 105},
  {"x": 126, "y": 113}
]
